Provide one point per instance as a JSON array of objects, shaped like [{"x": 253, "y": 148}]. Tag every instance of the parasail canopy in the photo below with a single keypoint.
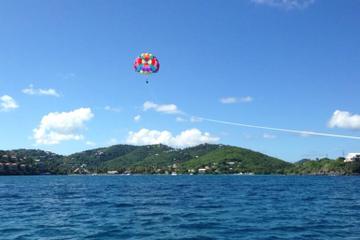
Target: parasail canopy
[{"x": 146, "y": 64}]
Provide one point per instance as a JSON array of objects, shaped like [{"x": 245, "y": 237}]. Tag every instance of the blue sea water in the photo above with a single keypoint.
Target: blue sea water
[{"x": 179, "y": 207}]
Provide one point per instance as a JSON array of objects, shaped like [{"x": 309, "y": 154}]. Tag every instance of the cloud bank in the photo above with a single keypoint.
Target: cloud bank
[
  {"x": 343, "y": 119},
  {"x": 187, "y": 138},
  {"x": 57, "y": 127}
]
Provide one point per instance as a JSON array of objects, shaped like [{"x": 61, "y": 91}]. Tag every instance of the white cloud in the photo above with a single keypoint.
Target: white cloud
[
  {"x": 305, "y": 134},
  {"x": 180, "y": 119},
  {"x": 228, "y": 100},
  {"x": 187, "y": 138},
  {"x": 137, "y": 118},
  {"x": 40, "y": 92},
  {"x": 286, "y": 4},
  {"x": 232, "y": 100},
  {"x": 56, "y": 127},
  {"x": 90, "y": 143},
  {"x": 68, "y": 76},
  {"x": 163, "y": 108},
  {"x": 269, "y": 136},
  {"x": 192, "y": 119},
  {"x": 195, "y": 119},
  {"x": 246, "y": 99},
  {"x": 112, "y": 109},
  {"x": 343, "y": 119},
  {"x": 7, "y": 103}
]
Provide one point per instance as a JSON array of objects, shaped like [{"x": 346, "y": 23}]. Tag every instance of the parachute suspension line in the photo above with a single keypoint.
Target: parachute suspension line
[
  {"x": 147, "y": 64},
  {"x": 151, "y": 92},
  {"x": 301, "y": 132}
]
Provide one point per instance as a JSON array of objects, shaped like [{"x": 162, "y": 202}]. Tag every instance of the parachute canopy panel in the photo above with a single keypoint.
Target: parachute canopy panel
[{"x": 146, "y": 64}]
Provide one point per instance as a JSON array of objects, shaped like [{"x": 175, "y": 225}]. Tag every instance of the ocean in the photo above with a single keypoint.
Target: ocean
[{"x": 179, "y": 207}]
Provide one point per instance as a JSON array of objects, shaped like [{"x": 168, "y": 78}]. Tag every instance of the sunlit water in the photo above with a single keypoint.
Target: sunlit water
[{"x": 179, "y": 207}]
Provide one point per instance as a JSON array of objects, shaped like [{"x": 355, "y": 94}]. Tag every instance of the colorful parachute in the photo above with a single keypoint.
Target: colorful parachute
[{"x": 146, "y": 63}]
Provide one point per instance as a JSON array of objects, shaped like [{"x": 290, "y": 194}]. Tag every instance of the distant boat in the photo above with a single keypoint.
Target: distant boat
[{"x": 173, "y": 173}]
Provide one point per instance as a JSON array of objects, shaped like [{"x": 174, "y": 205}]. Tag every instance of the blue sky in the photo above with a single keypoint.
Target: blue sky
[{"x": 67, "y": 82}]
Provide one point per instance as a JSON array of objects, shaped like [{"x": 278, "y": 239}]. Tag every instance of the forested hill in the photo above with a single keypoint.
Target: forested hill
[
  {"x": 30, "y": 161},
  {"x": 161, "y": 158},
  {"x": 204, "y": 158}
]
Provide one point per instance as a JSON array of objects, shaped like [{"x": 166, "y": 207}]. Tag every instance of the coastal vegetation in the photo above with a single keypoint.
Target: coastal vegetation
[{"x": 161, "y": 159}]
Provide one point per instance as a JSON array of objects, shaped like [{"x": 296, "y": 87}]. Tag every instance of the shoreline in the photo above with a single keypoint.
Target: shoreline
[{"x": 145, "y": 174}]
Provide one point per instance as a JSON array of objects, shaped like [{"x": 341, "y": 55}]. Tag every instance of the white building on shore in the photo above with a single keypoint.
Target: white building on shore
[
  {"x": 202, "y": 170},
  {"x": 352, "y": 157}
]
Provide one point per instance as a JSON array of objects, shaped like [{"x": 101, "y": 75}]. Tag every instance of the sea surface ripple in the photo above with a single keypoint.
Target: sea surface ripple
[{"x": 179, "y": 207}]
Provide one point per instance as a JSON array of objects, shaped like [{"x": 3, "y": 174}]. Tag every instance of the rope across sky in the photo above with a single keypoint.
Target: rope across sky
[{"x": 302, "y": 132}]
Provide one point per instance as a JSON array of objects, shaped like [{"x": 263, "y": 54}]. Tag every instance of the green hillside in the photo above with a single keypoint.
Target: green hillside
[
  {"x": 24, "y": 162},
  {"x": 324, "y": 166},
  {"x": 230, "y": 159},
  {"x": 97, "y": 157},
  {"x": 216, "y": 158},
  {"x": 204, "y": 158}
]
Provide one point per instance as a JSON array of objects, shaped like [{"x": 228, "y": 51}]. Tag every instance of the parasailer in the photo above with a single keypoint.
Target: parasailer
[{"x": 146, "y": 64}]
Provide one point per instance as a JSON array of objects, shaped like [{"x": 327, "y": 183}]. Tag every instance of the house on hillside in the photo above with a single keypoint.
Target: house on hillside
[
  {"x": 352, "y": 157},
  {"x": 202, "y": 170}
]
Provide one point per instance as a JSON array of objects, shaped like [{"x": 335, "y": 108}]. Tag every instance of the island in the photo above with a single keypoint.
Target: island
[{"x": 162, "y": 159}]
